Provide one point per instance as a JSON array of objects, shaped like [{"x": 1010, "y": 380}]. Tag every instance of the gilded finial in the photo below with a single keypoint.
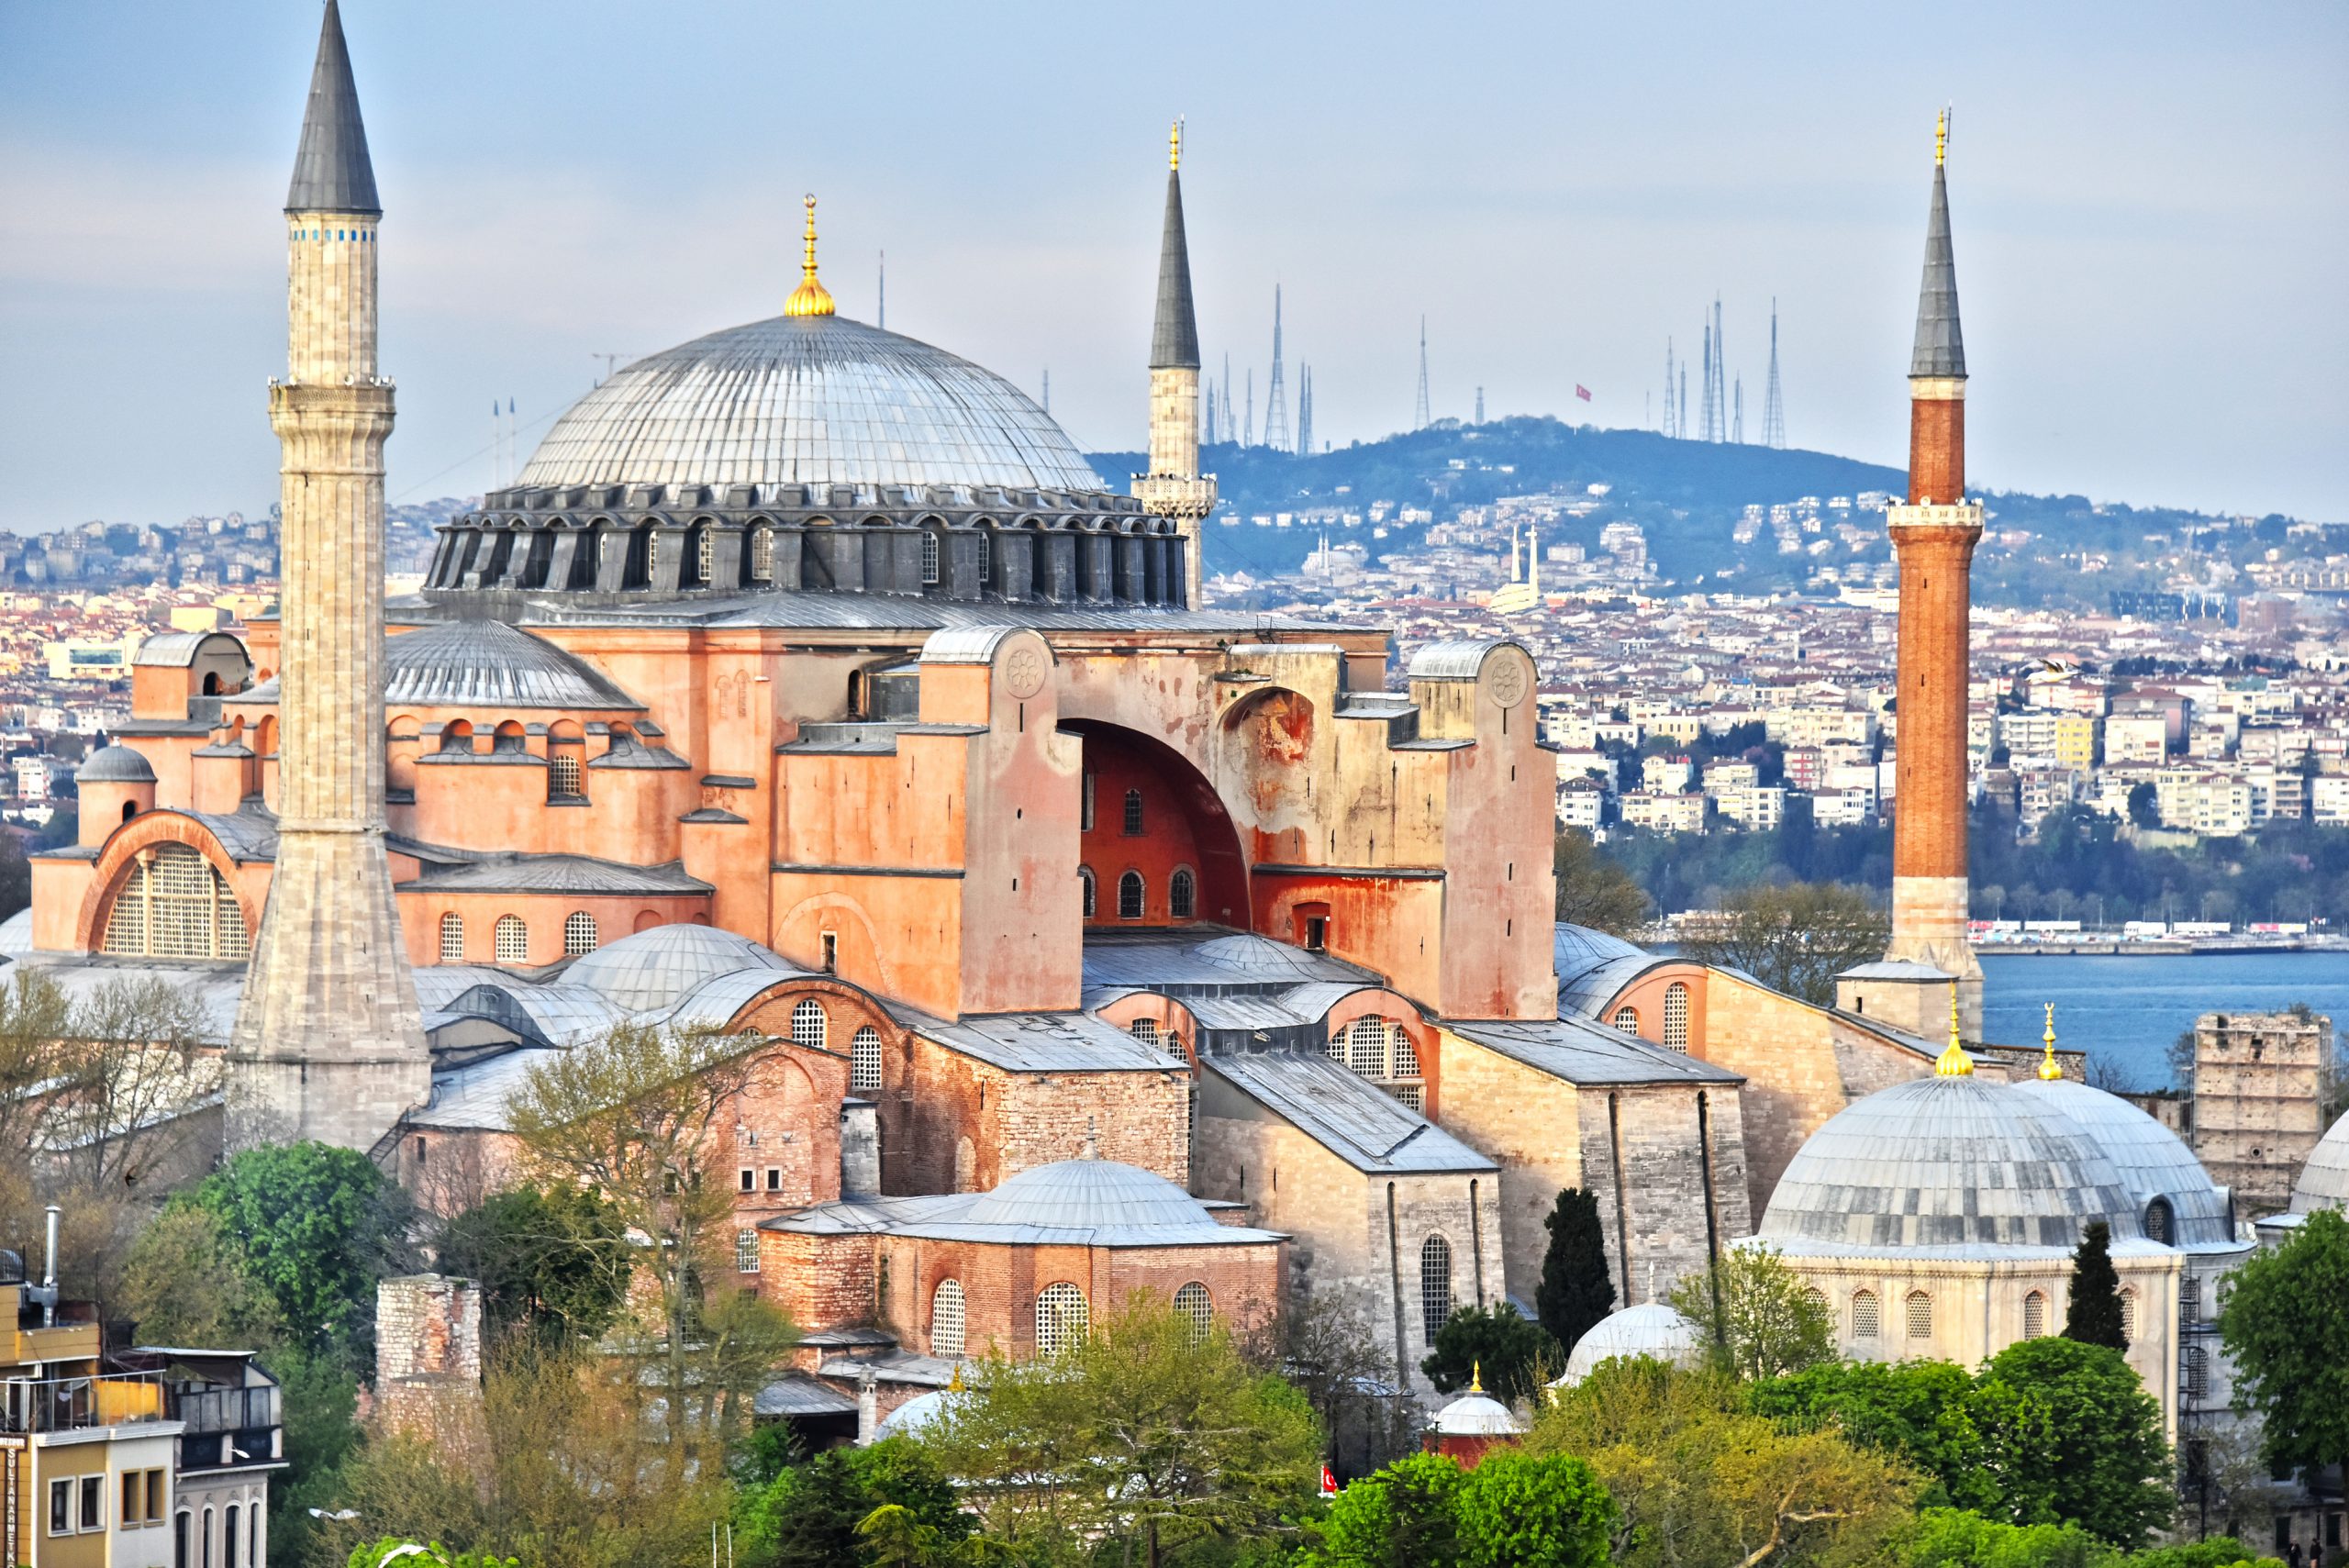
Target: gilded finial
[
  {"x": 810, "y": 298},
  {"x": 1941, "y": 138},
  {"x": 1953, "y": 1062},
  {"x": 1475, "y": 1378},
  {"x": 2047, "y": 1068},
  {"x": 1175, "y": 144},
  {"x": 954, "y": 1383}
]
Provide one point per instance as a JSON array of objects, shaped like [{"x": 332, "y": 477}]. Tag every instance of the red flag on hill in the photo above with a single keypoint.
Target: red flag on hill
[{"x": 1582, "y": 392}]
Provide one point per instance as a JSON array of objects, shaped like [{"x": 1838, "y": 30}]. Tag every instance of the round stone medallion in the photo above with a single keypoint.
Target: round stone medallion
[{"x": 1023, "y": 673}]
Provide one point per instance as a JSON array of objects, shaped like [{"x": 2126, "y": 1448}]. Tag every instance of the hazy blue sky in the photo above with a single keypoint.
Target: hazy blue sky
[{"x": 2150, "y": 202}]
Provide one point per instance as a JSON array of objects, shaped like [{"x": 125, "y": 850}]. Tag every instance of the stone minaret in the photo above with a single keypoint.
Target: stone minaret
[
  {"x": 1174, "y": 487},
  {"x": 329, "y": 1044},
  {"x": 1934, "y": 537}
]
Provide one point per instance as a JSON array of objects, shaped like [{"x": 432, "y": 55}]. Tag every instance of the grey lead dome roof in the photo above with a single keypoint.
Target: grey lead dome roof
[
  {"x": 658, "y": 968},
  {"x": 115, "y": 765},
  {"x": 2153, "y": 1160},
  {"x": 1651, "y": 1328},
  {"x": 1955, "y": 1163},
  {"x": 1091, "y": 1194},
  {"x": 2324, "y": 1180},
  {"x": 808, "y": 400}
]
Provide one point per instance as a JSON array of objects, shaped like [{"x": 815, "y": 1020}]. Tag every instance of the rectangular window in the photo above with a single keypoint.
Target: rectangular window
[
  {"x": 130, "y": 1494},
  {"x": 1085, "y": 808},
  {"x": 750, "y": 1179},
  {"x": 94, "y": 1502},
  {"x": 831, "y": 953},
  {"x": 746, "y": 1251},
  {"x": 158, "y": 1507},
  {"x": 774, "y": 1178},
  {"x": 61, "y": 1507},
  {"x": 1317, "y": 933}
]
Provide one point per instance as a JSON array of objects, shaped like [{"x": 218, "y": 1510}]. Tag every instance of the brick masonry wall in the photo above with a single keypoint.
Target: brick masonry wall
[
  {"x": 2257, "y": 1082},
  {"x": 823, "y": 1282},
  {"x": 951, "y": 1123},
  {"x": 427, "y": 1351}
]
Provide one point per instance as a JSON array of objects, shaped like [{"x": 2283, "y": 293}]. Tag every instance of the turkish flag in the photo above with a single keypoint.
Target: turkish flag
[
  {"x": 1328, "y": 1482},
  {"x": 1582, "y": 392}
]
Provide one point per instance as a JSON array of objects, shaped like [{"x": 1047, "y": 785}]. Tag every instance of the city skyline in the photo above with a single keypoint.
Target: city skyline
[{"x": 2129, "y": 284}]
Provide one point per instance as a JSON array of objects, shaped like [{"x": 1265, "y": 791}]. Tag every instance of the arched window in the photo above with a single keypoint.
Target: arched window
[
  {"x": 228, "y": 1522},
  {"x": 1675, "y": 1016},
  {"x": 1182, "y": 893},
  {"x": 1192, "y": 1302},
  {"x": 1145, "y": 1030},
  {"x": 457, "y": 737},
  {"x": 2128, "y": 1314},
  {"x": 2190, "y": 1300},
  {"x": 863, "y": 1051},
  {"x": 762, "y": 555},
  {"x": 513, "y": 939},
  {"x": 809, "y": 1024},
  {"x": 565, "y": 778},
  {"x": 946, "y": 1319},
  {"x": 705, "y": 553},
  {"x": 2198, "y": 1372},
  {"x": 1133, "y": 814},
  {"x": 172, "y": 904},
  {"x": 1061, "y": 1318},
  {"x": 986, "y": 556},
  {"x": 1628, "y": 1019},
  {"x": 2160, "y": 1222},
  {"x": 1406, "y": 1063},
  {"x": 2034, "y": 1316},
  {"x": 578, "y": 933},
  {"x": 1091, "y": 892},
  {"x": 1366, "y": 1047},
  {"x": 746, "y": 1251},
  {"x": 1868, "y": 1320},
  {"x": 453, "y": 938},
  {"x": 928, "y": 556},
  {"x": 1435, "y": 1284},
  {"x": 1130, "y": 896},
  {"x": 1920, "y": 1315}
]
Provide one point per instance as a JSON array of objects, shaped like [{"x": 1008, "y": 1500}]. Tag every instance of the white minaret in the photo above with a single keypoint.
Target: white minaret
[
  {"x": 1174, "y": 488},
  {"x": 329, "y": 1043}
]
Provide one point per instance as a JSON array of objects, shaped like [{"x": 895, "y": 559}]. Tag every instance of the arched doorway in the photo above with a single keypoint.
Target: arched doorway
[{"x": 1149, "y": 815}]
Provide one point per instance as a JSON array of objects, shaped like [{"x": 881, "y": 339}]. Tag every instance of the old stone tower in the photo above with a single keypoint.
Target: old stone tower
[
  {"x": 1934, "y": 537},
  {"x": 329, "y": 1043},
  {"x": 1174, "y": 488}
]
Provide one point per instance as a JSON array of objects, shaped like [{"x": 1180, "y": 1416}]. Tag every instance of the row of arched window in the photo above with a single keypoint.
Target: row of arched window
[
  {"x": 1676, "y": 1016},
  {"x": 1917, "y": 1314},
  {"x": 510, "y": 938},
  {"x": 1133, "y": 894},
  {"x": 812, "y": 1026},
  {"x": 1063, "y": 1316},
  {"x": 565, "y": 751},
  {"x": 1381, "y": 1050}
]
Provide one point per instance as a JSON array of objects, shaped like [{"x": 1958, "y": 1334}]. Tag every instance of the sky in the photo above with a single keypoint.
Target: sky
[{"x": 2149, "y": 205}]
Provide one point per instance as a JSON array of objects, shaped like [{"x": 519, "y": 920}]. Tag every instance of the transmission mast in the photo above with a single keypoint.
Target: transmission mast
[
  {"x": 1773, "y": 408},
  {"x": 1705, "y": 393},
  {"x": 1671, "y": 422},
  {"x": 1717, "y": 416},
  {"x": 1737, "y": 414},
  {"x": 1276, "y": 434},
  {"x": 1421, "y": 417}
]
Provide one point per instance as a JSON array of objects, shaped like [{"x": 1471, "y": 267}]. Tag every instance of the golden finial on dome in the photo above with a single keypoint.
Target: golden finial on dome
[
  {"x": 1941, "y": 138},
  {"x": 1475, "y": 1378},
  {"x": 1175, "y": 144},
  {"x": 810, "y": 298},
  {"x": 2047, "y": 1068},
  {"x": 1953, "y": 1062},
  {"x": 954, "y": 1383}
]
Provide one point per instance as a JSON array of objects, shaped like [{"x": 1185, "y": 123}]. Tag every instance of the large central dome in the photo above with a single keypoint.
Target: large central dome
[{"x": 808, "y": 400}]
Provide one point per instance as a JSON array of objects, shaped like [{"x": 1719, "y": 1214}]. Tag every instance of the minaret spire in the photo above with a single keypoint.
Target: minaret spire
[
  {"x": 811, "y": 297},
  {"x": 1174, "y": 488},
  {"x": 331, "y": 171},
  {"x": 1174, "y": 336}
]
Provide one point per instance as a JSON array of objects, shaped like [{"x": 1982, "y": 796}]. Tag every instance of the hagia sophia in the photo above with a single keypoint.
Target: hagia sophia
[{"x": 809, "y": 685}]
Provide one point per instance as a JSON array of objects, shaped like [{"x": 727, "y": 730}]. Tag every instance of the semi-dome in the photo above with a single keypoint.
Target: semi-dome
[
  {"x": 1651, "y": 1328},
  {"x": 808, "y": 400},
  {"x": 656, "y": 969},
  {"x": 2155, "y": 1164},
  {"x": 115, "y": 765},
  {"x": 2324, "y": 1180},
  {"x": 1079, "y": 1194},
  {"x": 1947, "y": 1161}
]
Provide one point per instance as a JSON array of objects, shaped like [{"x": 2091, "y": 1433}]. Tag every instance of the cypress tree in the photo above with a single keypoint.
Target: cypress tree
[
  {"x": 1574, "y": 1292},
  {"x": 2093, "y": 1314}
]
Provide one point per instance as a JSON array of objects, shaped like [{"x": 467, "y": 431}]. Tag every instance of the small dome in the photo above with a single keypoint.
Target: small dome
[
  {"x": 2324, "y": 1180},
  {"x": 2153, "y": 1160},
  {"x": 1091, "y": 1194},
  {"x": 1477, "y": 1415},
  {"x": 1258, "y": 956},
  {"x": 656, "y": 969},
  {"x": 917, "y": 1415},
  {"x": 1651, "y": 1328},
  {"x": 1947, "y": 1161},
  {"x": 115, "y": 765}
]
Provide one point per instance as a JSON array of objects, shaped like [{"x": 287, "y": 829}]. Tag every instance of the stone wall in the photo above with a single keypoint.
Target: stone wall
[
  {"x": 428, "y": 1353},
  {"x": 2259, "y": 1083},
  {"x": 951, "y": 1123}
]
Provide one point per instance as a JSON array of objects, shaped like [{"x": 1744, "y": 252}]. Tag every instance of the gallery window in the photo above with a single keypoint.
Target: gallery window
[
  {"x": 513, "y": 939},
  {"x": 746, "y": 1251},
  {"x": 2034, "y": 1316},
  {"x": 864, "y": 1057},
  {"x": 1192, "y": 1302},
  {"x": 1133, "y": 814},
  {"x": 1435, "y": 1284},
  {"x": 1868, "y": 1320},
  {"x": 172, "y": 904},
  {"x": 808, "y": 1026},
  {"x": 1628, "y": 1019},
  {"x": 1182, "y": 893},
  {"x": 578, "y": 933},
  {"x": 1920, "y": 1315},
  {"x": 1675, "y": 1016},
  {"x": 453, "y": 938},
  {"x": 946, "y": 1319},
  {"x": 1061, "y": 1318},
  {"x": 1130, "y": 896}
]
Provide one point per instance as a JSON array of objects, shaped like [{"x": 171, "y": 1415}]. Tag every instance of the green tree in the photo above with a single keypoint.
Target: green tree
[
  {"x": 1495, "y": 1342},
  {"x": 1593, "y": 890},
  {"x": 2108, "y": 1465},
  {"x": 1914, "y": 1411},
  {"x": 319, "y": 1227},
  {"x": 1574, "y": 1292},
  {"x": 392, "y": 1552},
  {"x": 1401, "y": 1517},
  {"x": 1954, "y": 1537},
  {"x": 1140, "y": 1434},
  {"x": 188, "y": 1282},
  {"x": 551, "y": 1261},
  {"x": 1760, "y": 1318},
  {"x": 1526, "y": 1510},
  {"x": 2093, "y": 1313},
  {"x": 1329, "y": 1351},
  {"x": 2285, "y": 1324},
  {"x": 810, "y": 1515},
  {"x": 2144, "y": 806},
  {"x": 1793, "y": 937}
]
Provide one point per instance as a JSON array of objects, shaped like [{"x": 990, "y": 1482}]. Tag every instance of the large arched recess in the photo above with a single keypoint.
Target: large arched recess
[{"x": 1184, "y": 826}]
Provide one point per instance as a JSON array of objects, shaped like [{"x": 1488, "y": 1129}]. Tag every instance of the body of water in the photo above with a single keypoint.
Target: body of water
[{"x": 2128, "y": 1010}]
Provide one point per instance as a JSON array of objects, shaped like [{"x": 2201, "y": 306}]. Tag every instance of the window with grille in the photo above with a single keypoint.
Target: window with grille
[
  {"x": 2198, "y": 1372},
  {"x": 2128, "y": 1314},
  {"x": 929, "y": 556},
  {"x": 1435, "y": 1284},
  {"x": 513, "y": 939},
  {"x": 1146, "y": 1030},
  {"x": 1061, "y": 1318},
  {"x": 863, "y": 1053},
  {"x": 809, "y": 1024},
  {"x": 1133, "y": 814},
  {"x": 1091, "y": 892},
  {"x": 704, "y": 553},
  {"x": 2034, "y": 1316},
  {"x": 172, "y": 904},
  {"x": 1192, "y": 1302},
  {"x": 1407, "y": 1056},
  {"x": 1182, "y": 894},
  {"x": 1920, "y": 1315},
  {"x": 1627, "y": 1019},
  {"x": 746, "y": 1251},
  {"x": 1130, "y": 896},
  {"x": 986, "y": 556},
  {"x": 1867, "y": 1321},
  {"x": 946, "y": 1319},
  {"x": 2189, "y": 1301},
  {"x": 1411, "y": 1095},
  {"x": 453, "y": 938},
  {"x": 2160, "y": 1221},
  {"x": 1675, "y": 1016},
  {"x": 1336, "y": 1049},
  {"x": 762, "y": 556},
  {"x": 578, "y": 933},
  {"x": 1366, "y": 1047},
  {"x": 563, "y": 778}
]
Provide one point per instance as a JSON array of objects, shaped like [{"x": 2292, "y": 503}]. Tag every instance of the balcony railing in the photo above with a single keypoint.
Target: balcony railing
[
  {"x": 69, "y": 1403},
  {"x": 206, "y": 1408}
]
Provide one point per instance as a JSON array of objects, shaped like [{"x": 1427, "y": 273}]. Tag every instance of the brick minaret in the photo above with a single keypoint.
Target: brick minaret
[
  {"x": 329, "y": 1044},
  {"x": 1934, "y": 537},
  {"x": 1174, "y": 487}
]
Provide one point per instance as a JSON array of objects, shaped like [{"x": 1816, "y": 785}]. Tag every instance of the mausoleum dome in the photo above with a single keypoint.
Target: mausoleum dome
[{"x": 1651, "y": 1328}]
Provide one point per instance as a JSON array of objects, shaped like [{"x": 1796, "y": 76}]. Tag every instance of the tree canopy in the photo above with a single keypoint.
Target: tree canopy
[
  {"x": 1575, "y": 1291},
  {"x": 1514, "y": 1511},
  {"x": 553, "y": 1261},
  {"x": 2285, "y": 1324},
  {"x": 1509, "y": 1351},
  {"x": 2093, "y": 1313},
  {"x": 1793, "y": 937},
  {"x": 1593, "y": 890},
  {"x": 1758, "y": 1316}
]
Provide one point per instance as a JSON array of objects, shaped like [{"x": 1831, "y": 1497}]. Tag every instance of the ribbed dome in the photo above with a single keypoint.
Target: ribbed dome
[
  {"x": 1477, "y": 1416},
  {"x": 1947, "y": 1163},
  {"x": 115, "y": 765},
  {"x": 2153, "y": 1160},
  {"x": 1257, "y": 956},
  {"x": 808, "y": 400},
  {"x": 653, "y": 969},
  {"x": 1081, "y": 1193},
  {"x": 1651, "y": 1328},
  {"x": 2324, "y": 1180}
]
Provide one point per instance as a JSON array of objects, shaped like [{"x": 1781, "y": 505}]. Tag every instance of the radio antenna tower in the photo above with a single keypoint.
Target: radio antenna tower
[
  {"x": 1670, "y": 426},
  {"x": 1681, "y": 423},
  {"x": 1718, "y": 417},
  {"x": 1705, "y": 393},
  {"x": 1773, "y": 406},
  {"x": 1421, "y": 418},
  {"x": 1276, "y": 434},
  {"x": 1737, "y": 415},
  {"x": 1304, "y": 410},
  {"x": 881, "y": 296},
  {"x": 1480, "y": 405}
]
